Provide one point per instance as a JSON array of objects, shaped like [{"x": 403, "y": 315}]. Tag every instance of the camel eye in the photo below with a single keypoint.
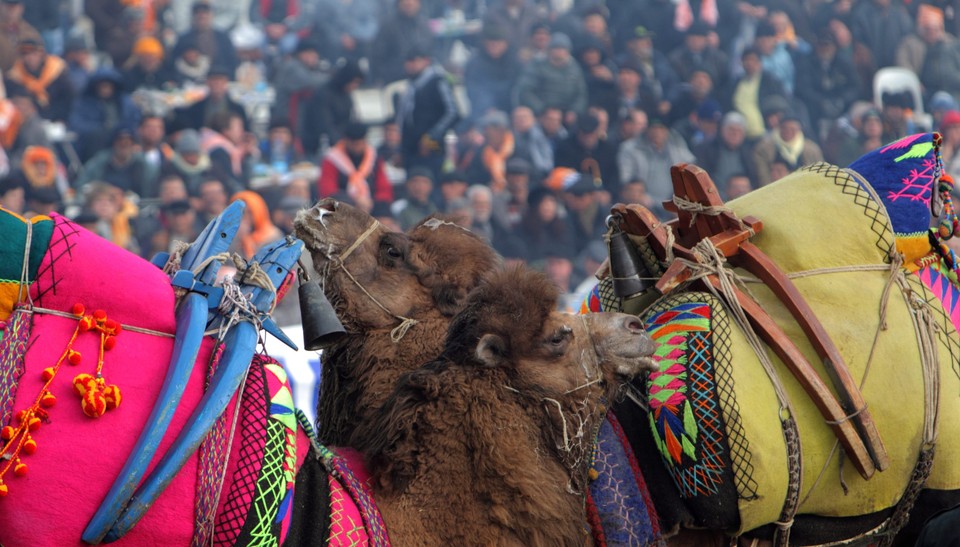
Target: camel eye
[
  {"x": 394, "y": 252},
  {"x": 560, "y": 335}
]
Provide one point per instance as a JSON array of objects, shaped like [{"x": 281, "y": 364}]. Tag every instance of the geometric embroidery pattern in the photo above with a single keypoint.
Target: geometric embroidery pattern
[{"x": 696, "y": 402}]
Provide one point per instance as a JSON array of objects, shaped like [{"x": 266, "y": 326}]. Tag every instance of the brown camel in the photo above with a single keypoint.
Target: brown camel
[
  {"x": 491, "y": 443},
  {"x": 395, "y": 294}
]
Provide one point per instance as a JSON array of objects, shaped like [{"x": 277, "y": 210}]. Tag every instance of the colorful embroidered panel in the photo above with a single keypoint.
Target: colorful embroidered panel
[
  {"x": 942, "y": 281},
  {"x": 685, "y": 417},
  {"x": 14, "y": 230}
]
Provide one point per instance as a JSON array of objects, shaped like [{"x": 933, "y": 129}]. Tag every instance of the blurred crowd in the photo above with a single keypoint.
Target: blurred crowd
[{"x": 523, "y": 120}]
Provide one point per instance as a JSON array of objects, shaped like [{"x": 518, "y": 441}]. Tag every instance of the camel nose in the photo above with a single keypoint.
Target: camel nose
[{"x": 633, "y": 324}]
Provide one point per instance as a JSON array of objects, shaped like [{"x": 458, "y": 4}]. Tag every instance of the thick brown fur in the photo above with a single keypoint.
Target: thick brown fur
[
  {"x": 425, "y": 275},
  {"x": 471, "y": 450}
]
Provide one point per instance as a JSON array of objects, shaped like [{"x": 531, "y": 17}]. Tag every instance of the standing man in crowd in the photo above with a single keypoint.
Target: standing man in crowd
[{"x": 427, "y": 111}]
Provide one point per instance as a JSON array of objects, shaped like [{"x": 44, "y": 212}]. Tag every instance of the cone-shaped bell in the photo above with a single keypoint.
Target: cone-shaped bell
[
  {"x": 627, "y": 271},
  {"x": 321, "y": 327}
]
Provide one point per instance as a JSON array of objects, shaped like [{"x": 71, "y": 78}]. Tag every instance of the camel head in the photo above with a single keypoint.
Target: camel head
[{"x": 375, "y": 277}]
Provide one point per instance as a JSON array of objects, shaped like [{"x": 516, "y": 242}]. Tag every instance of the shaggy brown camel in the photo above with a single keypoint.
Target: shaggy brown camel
[
  {"x": 491, "y": 443},
  {"x": 394, "y": 293}
]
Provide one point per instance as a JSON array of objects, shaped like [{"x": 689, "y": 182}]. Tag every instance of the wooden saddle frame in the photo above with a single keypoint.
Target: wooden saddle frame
[{"x": 706, "y": 218}]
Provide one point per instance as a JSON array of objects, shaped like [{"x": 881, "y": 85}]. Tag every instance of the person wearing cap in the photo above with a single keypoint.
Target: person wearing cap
[
  {"x": 746, "y": 94},
  {"x": 298, "y": 77},
  {"x": 146, "y": 68},
  {"x": 585, "y": 152},
  {"x": 897, "y": 110},
  {"x": 427, "y": 110},
  {"x": 510, "y": 205},
  {"x": 586, "y": 211},
  {"x": 786, "y": 144},
  {"x": 45, "y": 77},
  {"x": 201, "y": 113},
  {"x": 634, "y": 91},
  {"x": 729, "y": 153},
  {"x": 403, "y": 31},
  {"x": 652, "y": 64},
  {"x": 491, "y": 73},
  {"x": 212, "y": 43},
  {"x": 417, "y": 204},
  {"x": 13, "y": 30},
  {"x": 120, "y": 165},
  {"x": 830, "y": 83},
  {"x": 489, "y": 166},
  {"x": 696, "y": 53},
  {"x": 188, "y": 162},
  {"x": 352, "y": 172},
  {"x": 556, "y": 81},
  {"x": 103, "y": 107},
  {"x": 330, "y": 109},
  {"x": 650, "y": 156},
  {"x": 178, "y": 224},
  {"x": 453, "y": 187},
  {"x": 280, "y": 21}
]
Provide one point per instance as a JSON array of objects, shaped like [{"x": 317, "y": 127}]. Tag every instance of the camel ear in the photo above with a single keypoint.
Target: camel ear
[{"x": 491, "y": 350}]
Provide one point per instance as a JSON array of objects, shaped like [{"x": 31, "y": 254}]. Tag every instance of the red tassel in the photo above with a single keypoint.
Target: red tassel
[
  {"x": 48, "y": 373},
  {"x": 78, "y": 309},
  {"x": 93, "y": 404},
  {"x": 20, "y": 470},
  {"x": 74, "y": 357},
  {"x": 29, "y": 446},
  {"x": 109, "y": 343},
  {"x": 7, "y": 433}
]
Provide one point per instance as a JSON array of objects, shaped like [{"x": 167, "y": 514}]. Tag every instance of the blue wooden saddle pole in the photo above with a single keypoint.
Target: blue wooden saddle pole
[
  {"x": 276, "y": 261},
  {"x": 191, "y": 323}
]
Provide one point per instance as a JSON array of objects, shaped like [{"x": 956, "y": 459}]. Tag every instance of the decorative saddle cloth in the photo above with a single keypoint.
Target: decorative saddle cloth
[
  {"x": 238, "y": 486},
  {"x": 714, "y": 409}
]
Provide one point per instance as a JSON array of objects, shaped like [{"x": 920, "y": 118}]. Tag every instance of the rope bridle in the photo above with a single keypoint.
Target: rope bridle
[{"x": 336, "y": 262}]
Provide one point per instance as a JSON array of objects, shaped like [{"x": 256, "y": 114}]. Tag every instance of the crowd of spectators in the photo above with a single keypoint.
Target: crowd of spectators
[{"x": 524, "y": 120}]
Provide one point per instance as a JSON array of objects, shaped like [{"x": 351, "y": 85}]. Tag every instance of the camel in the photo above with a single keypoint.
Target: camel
[
  {"x": 394, "y": 293},
  {"x": 491, "y": 443}
]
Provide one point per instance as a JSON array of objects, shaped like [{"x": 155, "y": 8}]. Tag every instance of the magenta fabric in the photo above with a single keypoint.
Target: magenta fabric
[{"x": 78, "y": 457}]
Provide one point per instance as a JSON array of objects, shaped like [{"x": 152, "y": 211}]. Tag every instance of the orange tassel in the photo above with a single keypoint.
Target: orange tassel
[
  {"x": 112, "y": 396},
  {"x": 48, "y": 373},
  {"x": 7, "y": 433},
  {"x": 20, "y": 470},
  {"x": 93, "y": 404},
  {"x": 48, "y": 400},
  {"x": 29, "y": 446},
  {"x": 83, "y": 383}
]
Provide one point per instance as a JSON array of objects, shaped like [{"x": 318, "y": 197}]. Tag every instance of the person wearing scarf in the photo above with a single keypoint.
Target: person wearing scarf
[
  {"x": 45, "y": 77},
  {"x": 256, "y": 229},
  {"x": 229, "y": 154},
  {"x": 497, "y": 149},
  {"x": 352, "y": 171},
  {"x": 786, "y": 144}
]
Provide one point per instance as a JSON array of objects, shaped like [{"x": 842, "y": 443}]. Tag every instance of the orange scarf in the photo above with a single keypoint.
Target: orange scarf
[
  {"x": 39, "y": 154},
  {"x": 357, "y": 186},
  {"x": 495, "y": 159},
  {"x": 10, "y": 121},
  {"x": 37, "y": 85}
]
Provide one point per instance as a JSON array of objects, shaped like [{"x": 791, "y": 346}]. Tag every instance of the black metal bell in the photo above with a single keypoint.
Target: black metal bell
[
  {"x": 630, "y": 277},
  {"x": 321, "y": 327}
]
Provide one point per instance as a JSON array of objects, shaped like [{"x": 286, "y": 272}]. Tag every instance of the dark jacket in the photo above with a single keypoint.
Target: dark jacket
[
  {"x": 328, "y": 110},
  {"x": 490, "y": 81},
  {"x": 94, "y": 120},
  {"x": 398, "y": 35},
  {"x": 427, "y": 108},
  {"x": 543, "y": 84},
  {"x": 42, "y": 14},
  {"x": 59, "y": 93},
  {"x": 199, "y": 113},
  {"x": 224, "y": 56},
  {"x": 571, "y": 153},
  {"x": 135, "y": 78},
  {"x": 829, "y": 88},
  {"x": 941, "y": 67}
]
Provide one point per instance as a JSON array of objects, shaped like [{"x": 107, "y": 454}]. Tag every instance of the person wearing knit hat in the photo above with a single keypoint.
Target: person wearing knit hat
[{"x": 145, "y": 68}]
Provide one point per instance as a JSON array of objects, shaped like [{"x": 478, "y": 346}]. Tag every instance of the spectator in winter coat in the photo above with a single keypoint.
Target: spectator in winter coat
[
  {"x": 491, "y": 73},
  {"x": 829, "y": 84},
  {"x": 146, "y": 68},
  {"x": 657, "y": 74},
  {"x": 100, "y": 110},
  {"x": 941, "y": 61},
  {"x": 401, "y": 32},
  {"x": 788, "y": 145},
  {"x": 297, "y": 79},
  {"x": 530, "y": 143},
  {"x": 426, "y": 112},
  {"x": 774, "y": 57},
  {"x": 232, "y": 151},
  {"x": 728, "y": 154},
  {"x": 696, "y": 53},
  {"x": 330, "y": 109},
  {"x": 188, "y": 162},
  {"x": 349, "y": 27},
  {"x": 878, "y": 26},
  {"x": 489, "y": 166},
  {"x": 13, "y": 30},
  {"x": 201, "y": 113},
  {"x": 120, "y": 165},
  {"x": 352, "y": 172},
  {"x": 586, "y": 152},
  {"x": 45, "y": 77},
  {"x": 212, "y": 43},
  {"x": 417, "y": 205},
  {"x": 515, "y": 17},
  {"x": 556, "y": 81},
  {"x": 280, "y": 21},
  {"x": 650, "y": 156},
  {"x": 747, "y": 92}
]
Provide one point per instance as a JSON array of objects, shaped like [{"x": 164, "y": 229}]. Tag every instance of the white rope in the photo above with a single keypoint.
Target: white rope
[{"x": 24, "y": 285}]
